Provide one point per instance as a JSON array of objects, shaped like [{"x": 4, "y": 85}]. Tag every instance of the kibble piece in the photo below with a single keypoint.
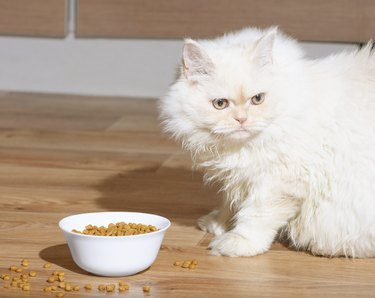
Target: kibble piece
[
  {"x": 110, "y": 288},
  {"x": 101, "y": 287},
  {"x": 194, "y": 262},
  {"x": 186, "y": 264},
  {"x": 60, "y": 277},
  {"x": 13, "y": 268},
  {"x": 123, "y": 284},
  {"x": 88, "y": 286},
  {"x": 177, "y": 263},
  {"x": 13, "y": 283},
  {"x": 60, "y": 294},
  {"x": 53, "y": 288},
  {"x": 192, "y": 266},
  {"x": 47, "y": 265},
  {"x": 6, "y": 286},
  {"x": 6, "y": 277},
  {"x": 68, "y": 287},
  {"x": 26, "y": 287},
  {"x": 25, "y": 263},
  {"x": 51, "y": 279},
  {"x": 146, "y": 288},
  {"x": 76, "y": 288},
  {"x": 62, "y": 285},
  {"x": 123, "y": 288},
  {"x": 47, "y": 289},
  {"x": 18, "y": 270},
  {"x": 32, "y": 273}
]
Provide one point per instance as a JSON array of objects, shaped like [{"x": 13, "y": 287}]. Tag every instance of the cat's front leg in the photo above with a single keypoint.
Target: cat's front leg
[
  {"x": 217, "y": 221},
  {"x": 255, "y": 227}
]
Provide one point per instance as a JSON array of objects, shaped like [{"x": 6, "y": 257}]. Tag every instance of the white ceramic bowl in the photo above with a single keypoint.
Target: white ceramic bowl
[{"x": 113, "y": 255}]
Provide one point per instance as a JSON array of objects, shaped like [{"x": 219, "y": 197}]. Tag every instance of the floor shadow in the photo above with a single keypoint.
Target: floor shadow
[
  {"x": 178, "y": 194},
  {"x": 60, "y": 255}
]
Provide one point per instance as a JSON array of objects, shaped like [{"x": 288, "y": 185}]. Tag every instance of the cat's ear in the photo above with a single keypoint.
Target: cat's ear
[
  {"x": 195, "y": 61},
  {"x": 263, "y": 52}
]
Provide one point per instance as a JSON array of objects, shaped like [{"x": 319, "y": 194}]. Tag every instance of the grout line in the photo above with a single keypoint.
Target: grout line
[{"x": 72, "y": 8}]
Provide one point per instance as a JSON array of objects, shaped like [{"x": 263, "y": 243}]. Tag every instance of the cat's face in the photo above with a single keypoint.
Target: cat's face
[
  {"x": 233, "y": 102},
  {"x": 224, "y": 95}
]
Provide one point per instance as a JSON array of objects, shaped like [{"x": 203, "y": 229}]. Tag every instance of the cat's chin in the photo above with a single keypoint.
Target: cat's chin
[{"x": 239, "y": 135}]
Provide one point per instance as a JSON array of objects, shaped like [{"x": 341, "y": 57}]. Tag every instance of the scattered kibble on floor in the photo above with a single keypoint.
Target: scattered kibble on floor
[
  {"x": 187, "y": 264},
  {"x": 58, "y": 285},
  {"x": 123, "y": 286}
]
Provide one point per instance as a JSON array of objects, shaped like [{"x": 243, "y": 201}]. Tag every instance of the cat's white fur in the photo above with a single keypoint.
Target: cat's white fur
[{"x": 302, "y": 164}]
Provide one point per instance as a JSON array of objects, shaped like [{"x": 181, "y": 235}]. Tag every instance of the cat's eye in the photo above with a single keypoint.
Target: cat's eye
[
  {"x": 258, "y": 98},
  {"x": 220, "y": 103}
]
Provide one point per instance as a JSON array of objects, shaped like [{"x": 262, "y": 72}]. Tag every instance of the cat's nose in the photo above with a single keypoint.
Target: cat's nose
[{"x": 240, "y": 120}]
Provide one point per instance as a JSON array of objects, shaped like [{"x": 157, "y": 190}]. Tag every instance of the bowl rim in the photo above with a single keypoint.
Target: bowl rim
[{"x": 114, "y": 237}]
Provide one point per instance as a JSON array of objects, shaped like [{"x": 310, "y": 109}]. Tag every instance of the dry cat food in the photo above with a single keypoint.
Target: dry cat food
[
  {"x": 88, "y": 286},
  {"x": 122, "y": 286},
  {"x": 191, "y": 264},
  {"x": 20, "y": 281},
  {"x": 57, "y": 285},
  {"x": 117, "y": 229}
]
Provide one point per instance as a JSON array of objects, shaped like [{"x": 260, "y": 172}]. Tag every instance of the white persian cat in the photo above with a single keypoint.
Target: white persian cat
[{"x": 291, "y": 141}]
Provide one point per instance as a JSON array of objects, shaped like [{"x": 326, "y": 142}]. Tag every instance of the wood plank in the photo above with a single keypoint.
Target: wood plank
[
  {"x": 78, "y": 113},
  {"x": 46, "y": 175},
  {"x": 45, "y": 18},
  {"x": 311, "y": 20}
]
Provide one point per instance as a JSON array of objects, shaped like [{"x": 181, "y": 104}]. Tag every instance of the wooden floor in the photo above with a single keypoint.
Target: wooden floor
[{"x": 61, "y": 155}]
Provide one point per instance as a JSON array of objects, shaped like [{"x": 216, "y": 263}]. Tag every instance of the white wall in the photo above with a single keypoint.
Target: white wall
[
  {"x": 118, "y": 67},
  {"x": 124, "y": 67},
  {"x": 88, "y": 66}
]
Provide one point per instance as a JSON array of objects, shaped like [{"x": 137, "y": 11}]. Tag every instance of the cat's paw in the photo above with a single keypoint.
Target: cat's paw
[
  {"x": 211, "y": 224},
  {"x": 232, "y": 244}
]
